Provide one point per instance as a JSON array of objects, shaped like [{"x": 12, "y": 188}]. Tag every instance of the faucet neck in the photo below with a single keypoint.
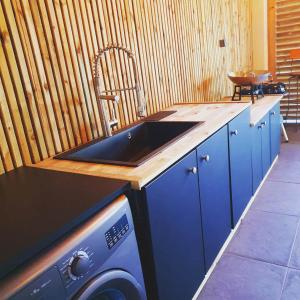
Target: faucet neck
[{"x": 104, "y": 114}]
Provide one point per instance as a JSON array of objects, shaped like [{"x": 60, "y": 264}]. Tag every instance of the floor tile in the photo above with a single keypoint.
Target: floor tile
[
  {"x": 254, "y": 264},
  {"x": 291, "y": 289},
  {"x": 295, "y": 257},
  {"x": 293, "y": 132},
  {"x": 236, "y": 278},
  {"x": 286, "y": 171},
  {"x": 279, "y": 197},
  {"x": 290, "y": 152},
  {"x": 265, "y": 236}
]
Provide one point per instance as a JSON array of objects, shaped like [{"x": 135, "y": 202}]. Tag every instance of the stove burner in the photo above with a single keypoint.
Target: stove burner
[{"x": 251, "y": 90}]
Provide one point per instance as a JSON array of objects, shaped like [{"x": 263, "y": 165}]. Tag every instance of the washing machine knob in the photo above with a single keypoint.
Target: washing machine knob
[{"x": 79, "y": 265}]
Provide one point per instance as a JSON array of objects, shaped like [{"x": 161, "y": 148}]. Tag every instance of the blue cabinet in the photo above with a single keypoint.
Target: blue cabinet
[
  {"x": 265, "y": 145},
  {"x": 214, "y": 187},
  {"x": 261, "y": 152},
  {"x": 239, "y": 134},
  {"x": 275, "y": 131},
  {"x": 175, "y": 226},
  {"x": 185, "y": 215},
  {"x": 257, "y": 175}
]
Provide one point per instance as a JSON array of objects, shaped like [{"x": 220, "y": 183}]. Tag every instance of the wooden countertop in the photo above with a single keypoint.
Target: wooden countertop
[
  {"x": 215, "y": 115},
  {"x": 261, "y": 107}
]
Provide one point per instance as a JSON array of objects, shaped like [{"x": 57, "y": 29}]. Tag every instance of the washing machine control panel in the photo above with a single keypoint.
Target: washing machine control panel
[
  {"x": 78, "y": 265},
  {"x": 116, "y": 232},
  {"x": 85, "y": 259}
]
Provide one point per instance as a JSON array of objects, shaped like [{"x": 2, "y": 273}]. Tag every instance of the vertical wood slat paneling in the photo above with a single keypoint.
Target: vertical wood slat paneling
[
  {"x": 2, "y": 170},
  {"x": 7, "y": 124},
  {"x": 284, "y": 27},
  {"x": 47, "y": 98},
  {"x": 5, "y": 153},
  {"x": 14, "y": 93}
]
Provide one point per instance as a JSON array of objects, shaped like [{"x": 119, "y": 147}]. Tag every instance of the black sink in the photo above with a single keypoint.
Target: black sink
[{"x": 131, "y": 146}]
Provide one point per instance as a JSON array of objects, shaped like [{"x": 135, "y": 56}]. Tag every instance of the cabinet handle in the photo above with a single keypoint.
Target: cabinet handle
[
  {"x": 264, "y": 123},
  {"x": 205, "y": 157},
  {"x": 193, "y": 170},
  {"x": 273, "y": 113},
  {"x": 234, "y": 132}
]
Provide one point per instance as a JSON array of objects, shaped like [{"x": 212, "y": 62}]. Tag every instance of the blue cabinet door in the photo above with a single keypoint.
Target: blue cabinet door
[
  {"x": 275, "y": 131},
  {"x": 240, "y": 163},
  {"x": 174, "y": 217},
  {"x": 213, "y": 165},
  {"x": 256, "y": 157},
  {"x": 265, "y": 143}
]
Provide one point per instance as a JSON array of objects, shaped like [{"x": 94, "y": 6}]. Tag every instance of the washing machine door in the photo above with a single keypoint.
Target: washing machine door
[{"x": 112, "y": 285}]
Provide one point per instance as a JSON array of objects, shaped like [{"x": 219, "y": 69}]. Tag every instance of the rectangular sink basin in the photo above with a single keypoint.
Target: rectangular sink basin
[{"x": 131, "y": 146}]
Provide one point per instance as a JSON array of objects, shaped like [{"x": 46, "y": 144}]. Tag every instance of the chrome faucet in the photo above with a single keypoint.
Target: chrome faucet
[{"x": 106, "y": 123}]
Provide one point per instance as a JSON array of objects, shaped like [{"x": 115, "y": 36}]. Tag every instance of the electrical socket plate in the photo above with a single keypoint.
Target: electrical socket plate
[{"x": 222, "y": 43}]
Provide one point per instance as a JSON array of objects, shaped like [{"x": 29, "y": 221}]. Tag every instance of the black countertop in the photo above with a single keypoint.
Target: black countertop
[{"x": 39, "y": 206}]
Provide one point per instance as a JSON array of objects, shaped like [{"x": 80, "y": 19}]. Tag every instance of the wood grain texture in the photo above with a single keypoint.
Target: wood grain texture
[
  {"x": 272, "y": 37},
  {"x": 47, "y": 49},
  {"x": 284, "y": 28},
  {"x": 261, "y": 107},
  {"x": 215, "y": 115}
]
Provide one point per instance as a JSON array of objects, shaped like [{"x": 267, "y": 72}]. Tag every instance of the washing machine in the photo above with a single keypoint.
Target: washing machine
[{"x": 99, "y": 260}]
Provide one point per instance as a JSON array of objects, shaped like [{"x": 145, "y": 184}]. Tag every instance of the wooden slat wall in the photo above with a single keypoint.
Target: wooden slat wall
[
  {"x": 47, "y": 48},
  {"x": 287, "y": 37}
]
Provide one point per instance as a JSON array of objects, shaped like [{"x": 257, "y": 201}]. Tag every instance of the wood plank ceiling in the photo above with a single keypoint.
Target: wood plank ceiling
[{"x": 47, "y": 48}]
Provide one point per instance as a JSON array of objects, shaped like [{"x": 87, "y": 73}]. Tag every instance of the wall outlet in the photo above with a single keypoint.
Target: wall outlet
[{"x": 222, "y": 43}]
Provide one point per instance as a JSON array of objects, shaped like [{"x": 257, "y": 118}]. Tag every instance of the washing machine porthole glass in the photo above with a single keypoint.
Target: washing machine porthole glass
[
  {"x": 112, "y": 285},
  {"x": 109, "y": 294}
]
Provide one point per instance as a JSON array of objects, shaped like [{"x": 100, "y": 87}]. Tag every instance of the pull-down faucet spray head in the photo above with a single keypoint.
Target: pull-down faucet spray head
[{"x": 141, "y": 109}]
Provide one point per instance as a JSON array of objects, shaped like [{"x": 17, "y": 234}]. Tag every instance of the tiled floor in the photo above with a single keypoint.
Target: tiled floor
[{"x": 262, "y": 262}]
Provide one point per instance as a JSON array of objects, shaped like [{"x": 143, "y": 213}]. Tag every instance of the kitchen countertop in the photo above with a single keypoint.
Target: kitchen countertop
[
  {"x": 40, "y": 206},
  {"x": 215, "y": 115},
  {"x": 261, "y": 107}
]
